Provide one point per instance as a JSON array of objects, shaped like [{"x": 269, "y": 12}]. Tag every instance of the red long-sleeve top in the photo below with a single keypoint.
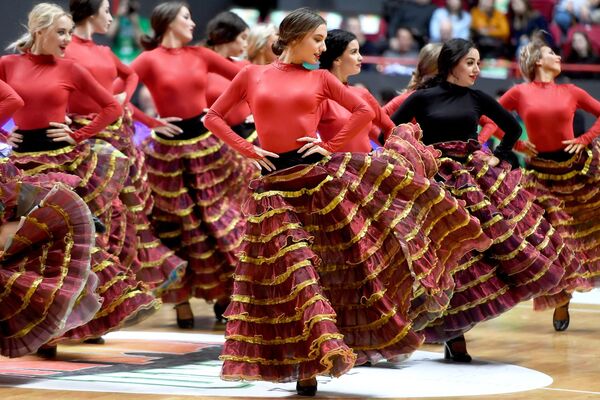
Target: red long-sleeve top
[
  {"x": 46, "y": 83},
  {"x": 10, "y": 102},
  {"x": 547, "y": 109},
  {"x": 333, "y": 117},
  {"x": 216, "y": 86},
  {"x": 284, "y": 99},
  {"x": 177, "y": 77},
  {"x": 104, "y": 66}
]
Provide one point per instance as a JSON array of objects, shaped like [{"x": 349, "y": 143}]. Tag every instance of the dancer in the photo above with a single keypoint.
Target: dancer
[
  {"x": 260, "y": 44},
  {"x": 227, "y": 35},
  {"x": 342, "y": 58},
  {"x": 195, "y": 179},
  {"x": 45, "y": 81},
  {"x": 525, "y": 258},
  {"x": 558, "y": 162},
  {"x": 337, "y": 245},
  {"x": 154, "y": 263}
]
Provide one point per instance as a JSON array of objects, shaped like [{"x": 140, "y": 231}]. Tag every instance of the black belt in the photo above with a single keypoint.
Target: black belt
[
  {"x": 191, "y": 127},
  {"x": 292, "y": 158},
  {"x": 35, "y": 140}
]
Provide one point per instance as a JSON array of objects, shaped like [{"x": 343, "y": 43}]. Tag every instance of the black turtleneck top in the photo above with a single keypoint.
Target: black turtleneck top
[{"x": 449, "y": 112}]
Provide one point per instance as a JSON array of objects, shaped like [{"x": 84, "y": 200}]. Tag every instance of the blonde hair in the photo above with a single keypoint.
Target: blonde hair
[
  {"x": 427, "y": 67},
  {"x": 529, "y": 56},
  {"x": 41, "y": 17},
  {"x": 258, "y": 39}
]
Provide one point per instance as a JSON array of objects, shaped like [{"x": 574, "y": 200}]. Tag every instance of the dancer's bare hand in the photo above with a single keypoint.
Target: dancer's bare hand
[
  {"x": 169, "y": 129},
  {"x": 573, "y": 147},
  {"x": 7, "y": 231},
  {"x": 529, "y": 149},
  {"x": 262, "y": 162},
  {"x": 313, "y": 145},
  {"x": 493, "y": 161},
  {"x": 61, "y": 133},
  {"x": 14, "y": 138},
  {"x": 120, "y": 97}
]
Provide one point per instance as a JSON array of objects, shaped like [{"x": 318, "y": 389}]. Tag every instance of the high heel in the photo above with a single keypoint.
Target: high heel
[
  {"x": 561, "y": 324},
  {"x": 219, "y": 309},
  {"x": 451, "y": 353},
  {"x": 47, "y": 351},
  {"x": 184, "y": 323},
  {"x": 96, "y": 340},
  {"x": 309, "y": 390}
]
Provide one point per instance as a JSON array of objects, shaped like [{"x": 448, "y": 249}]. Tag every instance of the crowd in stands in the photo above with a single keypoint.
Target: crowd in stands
[{"x": 498, "y": 27}]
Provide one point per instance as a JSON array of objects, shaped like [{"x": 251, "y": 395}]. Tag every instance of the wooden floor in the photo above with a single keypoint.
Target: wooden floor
[{"x": 520, "y": 337}]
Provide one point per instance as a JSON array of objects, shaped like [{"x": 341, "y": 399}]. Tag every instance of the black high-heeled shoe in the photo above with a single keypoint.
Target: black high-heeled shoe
[
  {"x": 100, "y": 227},
  {"x": 47, "y": 351},
  {"x": 310, "y": 390},
  {"x": 219, "y": 309},
  {"x": 450, "y": 352},
  {"x": 184, "y": 323},
  {"x": 96, "y": 340},
  {"x": 561, "y": 324}
]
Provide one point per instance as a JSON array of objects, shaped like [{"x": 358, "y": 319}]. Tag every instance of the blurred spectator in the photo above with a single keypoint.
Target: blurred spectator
[
  {"x": 127, "y": 29},
  {"x": 581, "y": 52},
  {"x": 569, "y": 12},
  {"x": 263, "y": 6},
  {"x": 402, "y": 45},
  {"x": 526, "y": 21},
  {"x": 490, "y": 29},
  {"x": 450, "y": 22},
  {"x": 411, "y": 14}
]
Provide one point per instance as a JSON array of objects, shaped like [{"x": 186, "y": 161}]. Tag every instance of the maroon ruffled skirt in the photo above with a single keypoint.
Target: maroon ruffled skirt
[
  {"x": 154, "y": 263},
  {"x": 528, "y": 257},
  {"x": 569, "y": 191},
  {"x": 47, "y": 285},
  {"x": 102, "y": 171},
  {"x": 335, "y": 257},
  {"x": 198, "y": 184}
]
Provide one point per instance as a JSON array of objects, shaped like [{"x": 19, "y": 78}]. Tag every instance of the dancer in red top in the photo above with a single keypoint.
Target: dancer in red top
[
  {"x": 153, "y": 261},
  {"x": 561, "y": 164},
  {"x": 343, "y": 60},
  {"x": 45, "y": 81},
  {"x": 196, "y": 180},
  {"x": 328, "y": 236},
  {"x": 227, "y": 35}
]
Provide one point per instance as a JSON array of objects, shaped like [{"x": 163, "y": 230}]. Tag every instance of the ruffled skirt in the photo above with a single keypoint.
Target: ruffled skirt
[
  {"x": 154, "y": 263},
  {"x": 528, "y": 257},
  {"x": 102, "y": 171},
  {"x": 341, "y": 260},
  {"x": 198, "y": 184},
  {"x": 569, "y": 190},
  {"x": 47, "y": 285}
]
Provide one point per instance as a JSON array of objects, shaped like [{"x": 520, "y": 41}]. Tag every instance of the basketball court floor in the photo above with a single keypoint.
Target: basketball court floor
[{"x": 516, "y": 356}]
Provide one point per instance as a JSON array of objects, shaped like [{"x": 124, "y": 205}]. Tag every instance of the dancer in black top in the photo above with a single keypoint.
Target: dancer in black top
[{"x": 527, "y": 256}]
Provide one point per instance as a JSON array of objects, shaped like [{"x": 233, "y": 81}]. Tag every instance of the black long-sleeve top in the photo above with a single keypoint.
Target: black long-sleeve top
[{"x": 449, "y": 112}]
